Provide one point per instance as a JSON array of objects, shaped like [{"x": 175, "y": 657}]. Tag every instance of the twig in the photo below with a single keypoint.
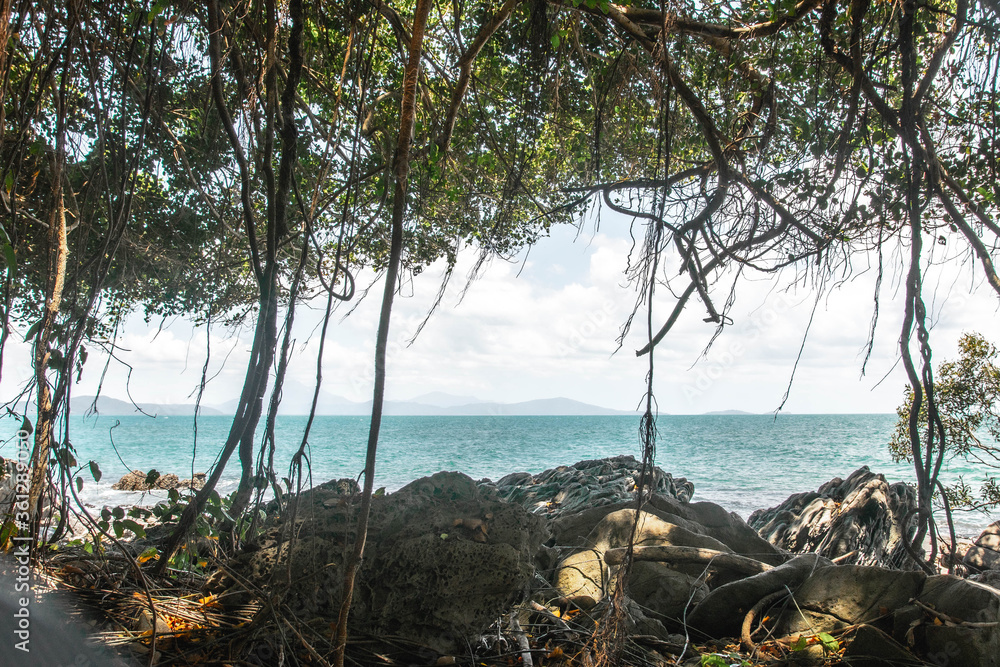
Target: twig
[
  {"x": 522, "y": 641},
  {"x": 305, "y": 643},
  {"x": 746, "y": 642},
  {"x": 953, "y": 620}
]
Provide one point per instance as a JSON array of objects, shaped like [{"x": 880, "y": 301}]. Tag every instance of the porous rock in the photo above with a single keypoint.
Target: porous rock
[
  {"x": 588, "y": 484},
  {"x": 136, "y": 481},
  {"x": 444, "y": 559},
  {"x": 863, "y": 519},
  {"x": 984, "y": 554}
]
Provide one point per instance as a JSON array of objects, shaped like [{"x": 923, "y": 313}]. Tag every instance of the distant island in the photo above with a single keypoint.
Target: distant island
[
  {"x": 118, "y": 408},
  {"x": 433, "y": 404}
]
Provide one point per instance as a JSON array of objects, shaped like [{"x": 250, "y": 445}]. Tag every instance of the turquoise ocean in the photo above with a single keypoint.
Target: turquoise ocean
[{"x": 742, "y": 462}]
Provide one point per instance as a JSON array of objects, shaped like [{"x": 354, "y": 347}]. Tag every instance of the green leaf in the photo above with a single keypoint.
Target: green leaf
[
  {"x": 828, "y": 641},
  {"x": 10, "y": 257},
  {"x": 152, "y": 476},
  {"x": 95, "y": 470},
  {"x": 32, "y": 331},
  {"x": 800, "y": 644},
  {"x": 118, "y": 513},
  {"x": 119, "y": 528},
  {"x": 56, "y": 360},
  {"x": 156, "y": 10},
  {"x": 134, "y": 526},
  {"x": 713, "y": 660},
  {"x": 554, "y": 40}
]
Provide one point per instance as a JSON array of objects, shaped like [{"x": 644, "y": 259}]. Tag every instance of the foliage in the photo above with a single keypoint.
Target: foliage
[
  {"x": 723, "y": 660},
  {"x": 967, "y": 397}
]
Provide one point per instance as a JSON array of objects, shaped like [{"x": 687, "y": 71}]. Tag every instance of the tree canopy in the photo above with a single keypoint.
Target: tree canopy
[{"x": 233, "y": 158}]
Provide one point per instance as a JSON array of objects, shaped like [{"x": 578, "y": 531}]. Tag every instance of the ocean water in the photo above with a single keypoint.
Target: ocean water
[{"x": 742, "y": 462}]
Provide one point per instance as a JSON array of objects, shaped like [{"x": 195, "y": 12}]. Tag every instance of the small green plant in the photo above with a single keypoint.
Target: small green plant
[
  {"x": 828, "y": 641},
  {"x": 213, "y": 521},
  {"x": 723, "y": 660}
]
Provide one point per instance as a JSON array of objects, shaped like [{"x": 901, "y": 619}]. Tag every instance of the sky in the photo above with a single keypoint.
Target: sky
[{"x": 545, "y": 325}]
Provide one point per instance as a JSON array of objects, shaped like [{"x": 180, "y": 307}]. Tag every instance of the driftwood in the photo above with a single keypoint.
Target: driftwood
[{"x": 718, "y": 559}]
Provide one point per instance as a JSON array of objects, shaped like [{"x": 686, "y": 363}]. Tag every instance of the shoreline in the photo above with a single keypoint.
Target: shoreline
[{"x": 106, "y": 497}]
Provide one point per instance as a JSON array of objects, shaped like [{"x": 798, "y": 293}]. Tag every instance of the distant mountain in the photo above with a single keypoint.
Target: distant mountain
[
  {"x": 547, "y": 406},
  {"x": 541, "y": 407},
  {"x": 440, "y": 399},
  {"x": 331, "y": 405},
  {"x": 113, "y": 407},
  {"x": 728, "y": 412}
]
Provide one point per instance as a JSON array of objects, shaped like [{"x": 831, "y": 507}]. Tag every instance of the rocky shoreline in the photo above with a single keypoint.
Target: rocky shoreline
[
  {"x": 818, "y": 580},
  {"x": 455, "y": 569}
]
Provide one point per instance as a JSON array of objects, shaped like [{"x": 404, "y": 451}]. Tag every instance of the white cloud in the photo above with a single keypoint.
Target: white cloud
[{"x": 552, "y": 332}]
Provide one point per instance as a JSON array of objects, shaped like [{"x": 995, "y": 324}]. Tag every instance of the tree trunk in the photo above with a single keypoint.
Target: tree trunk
[
  {"x": 247, "y": 412},
  {"x": 402, "y": 170},
  {"x": 42, "y": 354}
]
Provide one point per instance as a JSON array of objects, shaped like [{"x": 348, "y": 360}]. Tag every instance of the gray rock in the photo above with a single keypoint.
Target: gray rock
[
  {"x": 707, "y": 519},
  {"x": 583, "y": 578},
  {"x": 870, "y": 647},
  {"x": 664, "y": 593},
  {"x": 721, "y": 524},
  {"x": 984, "y": 554},
  {"x": 952, "y": 641},
  {"x": 863, "y": 518},
  {"x": 587, "y": 484},
  {"x": 721, "y": 613},
  {"x": 444, "y": 559},
  {"x": 136, "y": 481},
  {"x": 833, "y": 598}
]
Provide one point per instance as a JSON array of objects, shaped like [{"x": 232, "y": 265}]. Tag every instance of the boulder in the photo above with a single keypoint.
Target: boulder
[
  {"x": 444, "y": 559},
  {"x": 721, "y": 524},
  {"x": 833, "y": 598},
  {"x": 984, "y": 554},
  {"x": 8, "y": 481},
  {"x": 583, "y": 577},
  {"x": 964, "y": 626},
  {"x": 707, "y": 519},
  {"x": 136, "y": 481},
  {"x": 587, "y": 484},
  {"x": 722, "y": 611},
  {"x": 870, "y": 647},
  {"x": 863, "y": 520},
  {"x": 662, "y": 592}
]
